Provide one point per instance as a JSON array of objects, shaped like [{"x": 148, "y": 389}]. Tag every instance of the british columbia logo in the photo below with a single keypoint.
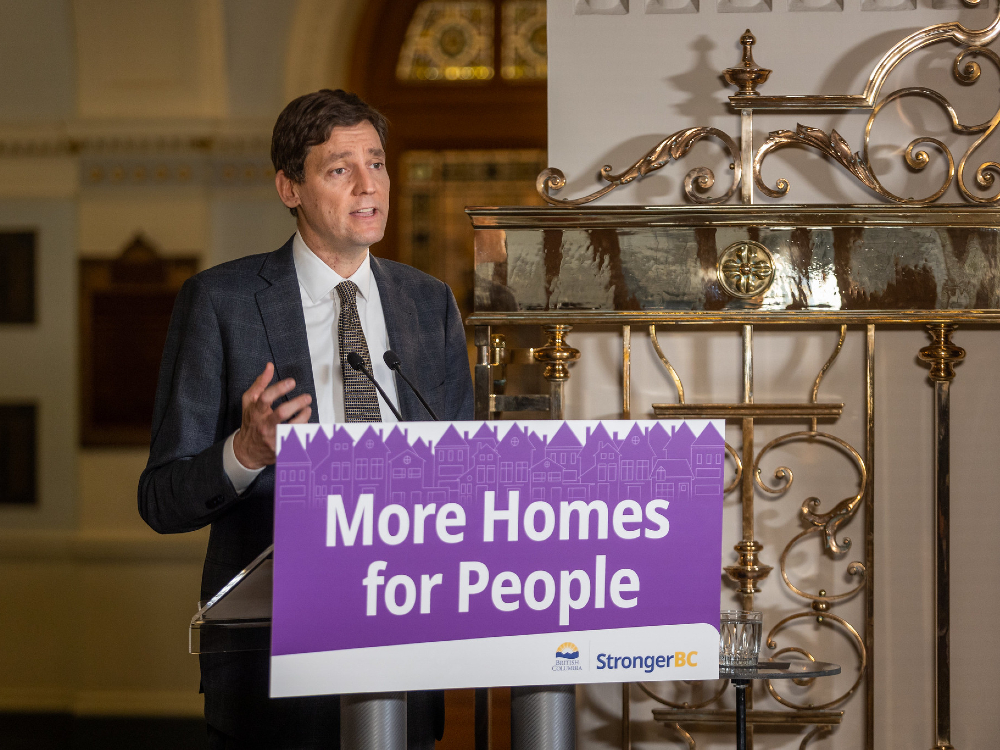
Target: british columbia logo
[{"x": 567, "y": 658}]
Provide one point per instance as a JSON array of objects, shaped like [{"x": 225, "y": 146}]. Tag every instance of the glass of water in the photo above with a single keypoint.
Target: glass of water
[{"x": 739, "y": 637}]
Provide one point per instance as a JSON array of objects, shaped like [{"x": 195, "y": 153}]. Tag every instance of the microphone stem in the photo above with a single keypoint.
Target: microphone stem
[
  {"x": 385, "y": 398},
  {"x": 399, "y": 371}
]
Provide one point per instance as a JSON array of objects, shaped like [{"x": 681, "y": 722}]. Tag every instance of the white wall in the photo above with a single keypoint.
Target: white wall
[{"x": 618, "y": 83}]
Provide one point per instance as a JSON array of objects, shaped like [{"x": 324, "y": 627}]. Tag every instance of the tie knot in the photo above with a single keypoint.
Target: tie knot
[{"x": 348, "y": 291}]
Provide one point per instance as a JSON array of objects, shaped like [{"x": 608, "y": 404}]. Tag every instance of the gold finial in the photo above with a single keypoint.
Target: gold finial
[
  {"x": 748, "y": 40},
  {"x": 556, "y": 355},
  {"x": 942, "y": 354},
  {"x": 498, "y": 349},
  {"x": 749, "y": 569},
  {"x": 749, "y": 74}
]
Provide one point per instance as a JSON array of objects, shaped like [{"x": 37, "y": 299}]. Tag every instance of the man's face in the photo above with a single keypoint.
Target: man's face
[{"x": 343, "y": 201}]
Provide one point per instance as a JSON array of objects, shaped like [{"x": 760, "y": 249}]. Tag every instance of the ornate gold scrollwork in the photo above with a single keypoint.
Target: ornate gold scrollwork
[
  {"x": 825, "y": 367},
  {"x": 967, "y": 74},
  {"x": 855, "y": 568},
  {"x": 666, "y": 363},
  {"x": 857, "y": 640},
  {"x": 828, "y": 525},
  {"x": 660, "y": 699},
  {"x": 833, "y": 145},
  {"x": 817, "y": 730},
  {"x": 739, "y": 469},
  {"x": 745, "y": 269},
  {"x": 685, "y": 735},
  {"x": 842, "y": 512},
  {"x": 673, "y": 147}
]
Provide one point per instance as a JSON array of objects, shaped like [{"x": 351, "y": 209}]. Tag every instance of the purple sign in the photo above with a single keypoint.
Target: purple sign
[{"x": 394, "y": 541}]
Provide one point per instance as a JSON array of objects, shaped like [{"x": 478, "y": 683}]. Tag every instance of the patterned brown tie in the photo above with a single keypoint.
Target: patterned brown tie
[{"x": 360, "y": 399}]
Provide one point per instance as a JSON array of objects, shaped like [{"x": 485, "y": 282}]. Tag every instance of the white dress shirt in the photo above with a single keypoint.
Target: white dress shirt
[{"x": 321, "y": 308}]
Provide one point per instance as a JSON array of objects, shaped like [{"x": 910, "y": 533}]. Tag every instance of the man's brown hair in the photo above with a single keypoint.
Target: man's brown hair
[{"x": 308, "y": 121}]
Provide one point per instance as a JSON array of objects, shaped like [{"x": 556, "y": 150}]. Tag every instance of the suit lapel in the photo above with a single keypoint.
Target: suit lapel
[
  {"x": 400, "y": 314},
  {"x": 280, "y": 307}
]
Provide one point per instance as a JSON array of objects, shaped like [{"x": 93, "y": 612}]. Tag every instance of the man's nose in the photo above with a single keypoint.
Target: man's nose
[{"x": 365, "y": 183}]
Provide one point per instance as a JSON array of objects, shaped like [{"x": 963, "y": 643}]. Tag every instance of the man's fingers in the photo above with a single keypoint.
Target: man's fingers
[
  {"x": 273, "y": 392},
  {"x": 302, "y": 417},
  {"x": 260, "y": 384},
  {"x": 262, "y": 380},
  {"x": 290, "y": 408}
]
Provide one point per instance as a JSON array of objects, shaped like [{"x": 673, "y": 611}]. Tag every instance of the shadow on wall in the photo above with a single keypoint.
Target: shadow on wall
[{"x": 699, "y": 83}]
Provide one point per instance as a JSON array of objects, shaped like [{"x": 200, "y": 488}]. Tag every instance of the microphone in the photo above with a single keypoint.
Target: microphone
[
  {"x": 393, "y": 363},
  {"x": 357, "y": 362}
]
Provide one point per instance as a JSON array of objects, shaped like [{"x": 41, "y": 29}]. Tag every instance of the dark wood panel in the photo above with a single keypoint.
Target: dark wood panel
[
  {"x": 17, "y": 277},
  {"x": 125, "y": 306},
  {"x": 129, "y": 329},
  {"x": 18, "y": 454}
]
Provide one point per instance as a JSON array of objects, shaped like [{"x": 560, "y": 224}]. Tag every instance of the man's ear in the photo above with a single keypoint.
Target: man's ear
[{"x": 287, "y": 189}]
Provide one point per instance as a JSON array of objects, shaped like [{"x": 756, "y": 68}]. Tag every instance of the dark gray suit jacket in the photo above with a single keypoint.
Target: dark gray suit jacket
[{"x": 227, "y": 323}]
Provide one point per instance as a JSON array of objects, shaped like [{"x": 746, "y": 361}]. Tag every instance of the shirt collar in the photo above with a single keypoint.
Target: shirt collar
[{"x": 318, "y": 279}]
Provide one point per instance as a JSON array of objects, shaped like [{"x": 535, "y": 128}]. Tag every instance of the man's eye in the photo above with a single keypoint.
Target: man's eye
[
  {"x": 378, "y": 165},
  {"x": 339, "y": 170}
]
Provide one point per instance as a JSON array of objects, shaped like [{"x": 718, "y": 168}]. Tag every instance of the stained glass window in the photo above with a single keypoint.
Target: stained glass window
[
  {"x": 450, "y": 41},
  {"x": 523, "y": 42}
]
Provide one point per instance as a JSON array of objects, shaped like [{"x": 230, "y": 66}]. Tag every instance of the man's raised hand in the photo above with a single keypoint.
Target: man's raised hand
[{"x": 254, "y": 444}]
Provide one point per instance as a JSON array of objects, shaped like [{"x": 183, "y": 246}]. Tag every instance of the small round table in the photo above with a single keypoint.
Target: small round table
[{"x": 765, "y": 670}]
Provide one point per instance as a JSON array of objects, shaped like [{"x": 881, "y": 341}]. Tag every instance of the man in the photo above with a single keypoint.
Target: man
[{"x": 264, "y": 340}]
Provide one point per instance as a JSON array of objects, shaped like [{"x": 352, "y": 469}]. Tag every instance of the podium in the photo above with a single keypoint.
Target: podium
[{"x": 238, "y": 618}]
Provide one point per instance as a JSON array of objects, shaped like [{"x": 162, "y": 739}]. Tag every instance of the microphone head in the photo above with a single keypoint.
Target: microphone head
[
  {"x": 391, "y": 360},
  {"x": 356, "y": 361}
]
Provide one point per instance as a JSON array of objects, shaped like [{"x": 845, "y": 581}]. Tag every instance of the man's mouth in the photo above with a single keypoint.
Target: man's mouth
[{"x": 364, "y": 212}]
